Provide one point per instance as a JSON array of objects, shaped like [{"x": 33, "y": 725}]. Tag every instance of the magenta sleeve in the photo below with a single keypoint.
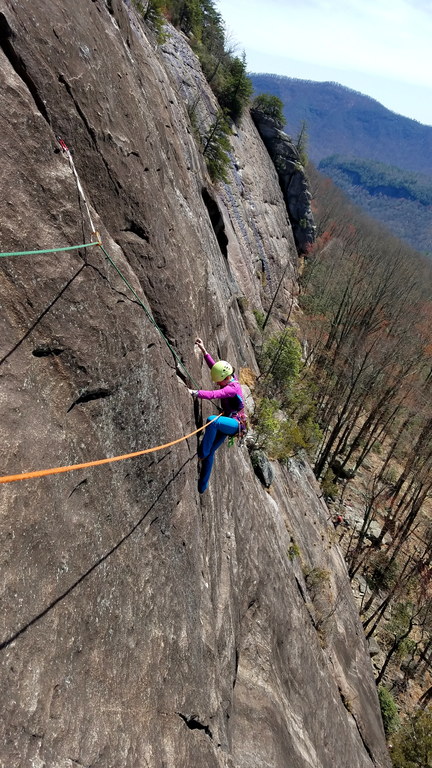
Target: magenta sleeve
[
  {"x": 230, "y": 390},
  {"x": 208, "y": 394},
  {"x": 209, "y": 360}
]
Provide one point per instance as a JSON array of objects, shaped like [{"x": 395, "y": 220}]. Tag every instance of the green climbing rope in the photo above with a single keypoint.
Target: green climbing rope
[
  {"x": 48, "y": 250},
  {"x": 112, "y": 262},
  {"x": 148, "y": 313},
  {"x": 125, "y": 280}
]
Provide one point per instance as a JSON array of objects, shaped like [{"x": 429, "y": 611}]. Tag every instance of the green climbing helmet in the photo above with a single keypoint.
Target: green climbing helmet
[{"x": 220, "y": 371}]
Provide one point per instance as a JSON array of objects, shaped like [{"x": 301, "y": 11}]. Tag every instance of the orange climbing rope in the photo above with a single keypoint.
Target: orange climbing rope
[
  {"x": 58, "y": 470},
  {"x": 98, "y": 241}
]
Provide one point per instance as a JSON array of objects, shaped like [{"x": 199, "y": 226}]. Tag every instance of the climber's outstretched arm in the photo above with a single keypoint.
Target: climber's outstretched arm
[{"x": 207, "y": 357}]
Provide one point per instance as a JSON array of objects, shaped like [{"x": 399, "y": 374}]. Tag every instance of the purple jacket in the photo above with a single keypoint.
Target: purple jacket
[{"x": 231, "y": 395}]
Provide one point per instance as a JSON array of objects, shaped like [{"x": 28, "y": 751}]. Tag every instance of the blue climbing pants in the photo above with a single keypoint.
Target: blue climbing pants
[{"x": 214, "y": 436}]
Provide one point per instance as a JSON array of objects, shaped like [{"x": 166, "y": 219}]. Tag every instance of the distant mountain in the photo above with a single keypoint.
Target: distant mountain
[
  {"x": 380, "y": 179},
  {"x": 345, "y": 122},
  {"x": 401, "y": 200},
  {"x": 366, "y": 149}
]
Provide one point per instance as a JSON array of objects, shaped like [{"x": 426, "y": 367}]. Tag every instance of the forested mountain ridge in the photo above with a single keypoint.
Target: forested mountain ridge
[
  {"x": 366, "y": 298},
  {"x": 378, "y": 178},
  {"x": 344, "y": 122},
  {"x": 401, "y": 200},
  {"x": 384, "y": 160},
  {"x": 367, "y": 302}
]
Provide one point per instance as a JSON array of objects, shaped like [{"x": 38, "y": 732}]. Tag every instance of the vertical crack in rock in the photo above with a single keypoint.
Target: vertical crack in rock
[
  {"x": 194, "y": 724},
  {"x": 92, "y": 133},
  {"x": 12, "y": 637},
  {"x": 365, "y": 744},
  {"x": 124, "y": 296},
  {"x": 41, "y": 316},
  {"x": 348, "y": 706},
  {"x": 87, "y": 125},
  {"x": 217, "y": 221},
  {"x": 308, "y": 604},
  {"x": 237, "y": 659},
  {"x": 19, "y": 66},
  {"x": 300, "y": 588}
]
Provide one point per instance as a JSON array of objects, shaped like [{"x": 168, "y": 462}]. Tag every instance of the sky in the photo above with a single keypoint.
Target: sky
[{"x": 382, "y": 48}]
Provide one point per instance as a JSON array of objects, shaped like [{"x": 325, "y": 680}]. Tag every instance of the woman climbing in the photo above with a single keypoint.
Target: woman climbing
[{"x": 233, "y": 422}]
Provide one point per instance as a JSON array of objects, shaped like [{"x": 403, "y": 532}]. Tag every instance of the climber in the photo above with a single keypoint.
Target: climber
[{"x": 232, "y": 422}]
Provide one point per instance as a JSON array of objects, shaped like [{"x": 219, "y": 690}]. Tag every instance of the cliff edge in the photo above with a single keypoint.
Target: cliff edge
[{"x": 141, "y": 624}]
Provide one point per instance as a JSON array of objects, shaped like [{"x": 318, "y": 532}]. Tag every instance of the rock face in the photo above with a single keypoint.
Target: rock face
[
  {"x": 292, "y": 179},
  {"x": 262, "y": 467},
  {"x": 141, "y": 624}
]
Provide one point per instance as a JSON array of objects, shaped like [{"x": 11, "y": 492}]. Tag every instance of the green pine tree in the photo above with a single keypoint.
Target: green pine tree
[
  {"x": 216, "y": 146},
  {"x": 237, "y": 88},
  {"x": 271, "y": 106}
]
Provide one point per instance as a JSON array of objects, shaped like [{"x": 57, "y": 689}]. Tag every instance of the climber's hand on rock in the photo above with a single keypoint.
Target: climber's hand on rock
[
  {"x": 200, "y": 344},
  {"x": 193, "y": 392}
]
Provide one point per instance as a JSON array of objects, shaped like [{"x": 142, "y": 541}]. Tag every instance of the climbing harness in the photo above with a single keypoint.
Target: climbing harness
[
  {"x": 98, "y": 462},
  {"x": 242, "y": 419},
  {"x": 242, "y": 422}
]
